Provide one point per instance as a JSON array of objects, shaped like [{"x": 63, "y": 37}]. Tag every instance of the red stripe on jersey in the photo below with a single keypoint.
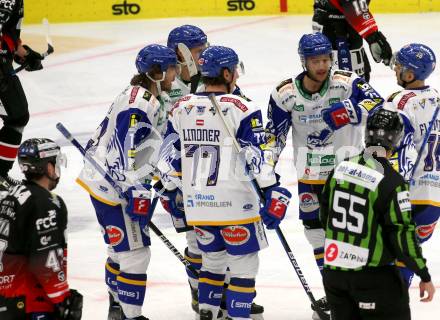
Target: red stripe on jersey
[
  {"x": 133, "y": 94},
  {"x": 8, "y": 151},
  {"x": 363, "y": 22},
  {"x": 9, "y": 42},
  {"x": 404, "y": 100},
  {"x": 283, "y": 5}
]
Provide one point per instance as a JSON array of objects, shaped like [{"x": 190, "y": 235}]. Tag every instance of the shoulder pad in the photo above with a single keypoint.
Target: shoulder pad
[
  {"x": 240, "y": 105},
  {"x": 284, "y": 83},
  {"x": 402, "y": 102},
  {"x": 392, "y": 96}
]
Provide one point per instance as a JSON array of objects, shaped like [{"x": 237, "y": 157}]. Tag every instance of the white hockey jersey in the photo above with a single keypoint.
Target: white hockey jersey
[
  {"x": 179, "y": 89},
  {"x": 199, "y": 149},
  {"x": 417, "y": 106},
  {"x": 126, "y": 143},
  {"x": 316, "y": 147}
]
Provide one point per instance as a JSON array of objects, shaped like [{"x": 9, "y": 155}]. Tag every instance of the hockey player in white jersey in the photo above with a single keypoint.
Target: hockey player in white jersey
[
  {"x": 416, "y": 104},
  {"x": 326, "y": 110},
  {"x": 127, "y": 144},
  {"x": 188, "y": 42},
  {"x": 216, "y": 194}
]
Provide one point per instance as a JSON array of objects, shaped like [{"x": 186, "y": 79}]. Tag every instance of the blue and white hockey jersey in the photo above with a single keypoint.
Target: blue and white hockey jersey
[
  {"x": 416, "y": 107},
  {"x": 126, "y": 143},
  {"x": 199, "y": 150},
  {"x": 316, "y": 147}
]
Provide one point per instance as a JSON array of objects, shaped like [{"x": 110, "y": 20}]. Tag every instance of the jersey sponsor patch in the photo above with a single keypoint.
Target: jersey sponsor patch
[
  {"x": 343, "y": 73},
  {"x": 204, "y": 237},
  {"x": 344, "y": 255},
  {"x": 425, "y": 231},
  {"x": 236, "y": 102},
  {"x": 402, "y": 102},
  {"x": 115, "y": 235},
  {"x": 133, "y": 94},
  {"x": 358, "y": 174},
  {"x": 147, "y": 95},
  {"x": 308, "y": 202},
  {"x": 236, "y": 235},
  {"x": 403, "y": 201}
]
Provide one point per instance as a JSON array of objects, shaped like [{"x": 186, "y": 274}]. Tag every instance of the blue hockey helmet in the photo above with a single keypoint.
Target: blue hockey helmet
[
  {"x": 155, "y": 54},
  {"x": 313, "y": 44},
  {"x": 418, "y": 58},
  {"x": 213, "y": 59},
  {"x": 189, "y": 35}
]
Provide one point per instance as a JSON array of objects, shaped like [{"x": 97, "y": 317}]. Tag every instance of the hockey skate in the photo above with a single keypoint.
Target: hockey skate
[
  {"x": 195, "y": 305},
  {"x": 114, "y": 309},
  {"x": 205, "y": 315},
  {"x": 323, "y": 304}
]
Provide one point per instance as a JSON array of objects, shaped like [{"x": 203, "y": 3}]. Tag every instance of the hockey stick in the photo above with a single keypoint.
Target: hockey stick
[
  {"x": 191, "y": 65},
  {"x": 280, "y": 234},
  {"x": 425, "y": 141},
  {"x": 49, "y": 50},
  {"x": 118, "y": 189}
]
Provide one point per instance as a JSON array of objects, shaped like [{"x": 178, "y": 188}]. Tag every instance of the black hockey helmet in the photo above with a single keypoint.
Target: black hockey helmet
[
  {"x": 34, "y": 155},
  {"x": 384, "y": 128}
]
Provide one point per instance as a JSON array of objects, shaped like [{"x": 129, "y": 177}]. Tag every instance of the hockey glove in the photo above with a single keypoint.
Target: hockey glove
[
  {"x": 275, "y": 207},
  {"x": 380, "y": 48},
  {"x": 139, "y": 203},
  {"x": 341, "y": 113},
  {"x": 71, "y": 307},
  {"x": 32, "y": 59},
  {"x": 172, "y": 202}
]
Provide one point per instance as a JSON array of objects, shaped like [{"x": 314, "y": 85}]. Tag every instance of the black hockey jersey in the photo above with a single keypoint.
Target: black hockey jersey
[
  {"x": 33, "y": 248},
  {"x": 11, "y": 16}
]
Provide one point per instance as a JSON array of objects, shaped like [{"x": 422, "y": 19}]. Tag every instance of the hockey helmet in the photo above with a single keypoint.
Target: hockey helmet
[
  {"x": 384, "y": 128},
  {"x": 189, "y": 35},
  {"x": 215, "y": 58},
  {"x": 155, "y": 54},
  {"x": 34, "y": 155},
  {"x": 416, "y": 57},
  {"x": 313, "y": 44}
]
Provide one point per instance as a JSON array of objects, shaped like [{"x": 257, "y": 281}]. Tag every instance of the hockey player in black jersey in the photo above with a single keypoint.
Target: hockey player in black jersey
[
  {"x": 346, "y": 23},
  {"x": 366, "y": 212},
  {"x": 13, "y": 104},
  {"x": 33, "y": 247}
]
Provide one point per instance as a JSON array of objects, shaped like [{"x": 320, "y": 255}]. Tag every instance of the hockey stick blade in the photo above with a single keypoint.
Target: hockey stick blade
[
  {"x": 63, "y": 130},
  {"x": 189, "y": 60}
]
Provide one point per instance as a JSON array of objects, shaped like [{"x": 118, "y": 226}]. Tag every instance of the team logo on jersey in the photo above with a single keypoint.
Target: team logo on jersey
[
  {"x": 225, "y": 111},
  {"x": 425, "y": 231},
  {"x": 248, "y": 206},
  {"x": 236, "y": 235},
  {"x": 115, "y": 235},
  {"x": 308, "y": 202},
  {"x": 204, "y": 237},
  {"x": 200, "y": 110},
  {"x": 189, "y": 108},
  {"x": 213, "y": 111}
]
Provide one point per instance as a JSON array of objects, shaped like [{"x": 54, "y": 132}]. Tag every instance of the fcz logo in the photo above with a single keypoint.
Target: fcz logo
[
  {"x": 241, "y": 5},
  {"x": 125, "y": 8}
]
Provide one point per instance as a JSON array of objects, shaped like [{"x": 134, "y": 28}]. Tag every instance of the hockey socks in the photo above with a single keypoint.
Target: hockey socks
[
  {"x": 239, "y": 297},
  {"x": 319, "y": 257},
  {"x": 196, "y": 263},
  {"x": 9, "y": 142},
  {"x": 111, "y": 272},
  {"x": 131, "y": 292},
  {"x": 210, "y": 291}
]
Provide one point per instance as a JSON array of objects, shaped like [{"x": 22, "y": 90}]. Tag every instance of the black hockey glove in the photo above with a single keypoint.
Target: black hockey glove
[
  {"x": 71, "y": 307},
  {"x": 32, "y": 59},
  {"x": 380, "y": 48}
]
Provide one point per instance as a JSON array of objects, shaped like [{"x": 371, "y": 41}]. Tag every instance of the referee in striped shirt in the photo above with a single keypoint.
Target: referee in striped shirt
[{"x": 366, "y": 214}]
